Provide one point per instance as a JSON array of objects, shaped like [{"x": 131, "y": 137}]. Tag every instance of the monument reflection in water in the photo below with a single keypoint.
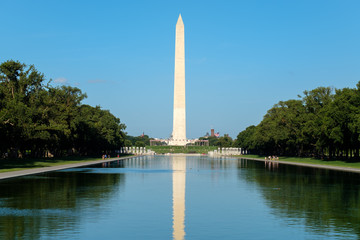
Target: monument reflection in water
[{"x": 179, "y": 182}]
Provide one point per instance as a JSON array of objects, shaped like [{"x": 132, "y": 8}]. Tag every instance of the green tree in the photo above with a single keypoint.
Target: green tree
[
  {"x": 98, "y": 130},
  {"x": 37, "y": 118},
  {"x": 341, "y": 121},
  {"x": 139, "y": 144},
  {"x": 20, "y": 88},
  {"x": 280, "y": 130},
  {"x": 225, "y": 141},
  {"x": 245, "y": 139},
  {"x": 316, "y": 104}
]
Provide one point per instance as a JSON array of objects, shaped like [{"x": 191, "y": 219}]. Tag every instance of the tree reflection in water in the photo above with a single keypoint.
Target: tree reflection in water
[
  {"x": 34, "y": 204},
  {"x": 324, "y": 200}
]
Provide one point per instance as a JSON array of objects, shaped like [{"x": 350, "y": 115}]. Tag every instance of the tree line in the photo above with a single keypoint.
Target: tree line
[
  {"x": 323, "y": 123},
  {"x": 38, "y": 120}
]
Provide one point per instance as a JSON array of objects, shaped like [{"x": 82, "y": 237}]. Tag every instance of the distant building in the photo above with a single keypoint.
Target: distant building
[{"x": 213, "y": 134}]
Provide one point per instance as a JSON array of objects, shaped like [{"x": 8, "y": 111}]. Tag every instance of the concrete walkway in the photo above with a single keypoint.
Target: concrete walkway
[
  {"x": 336, "y": 168},
  {"x": 13, "y": 174}
]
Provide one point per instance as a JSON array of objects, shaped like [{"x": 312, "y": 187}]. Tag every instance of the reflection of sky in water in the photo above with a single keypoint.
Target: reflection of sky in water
[{"x": 191, "y": 198}]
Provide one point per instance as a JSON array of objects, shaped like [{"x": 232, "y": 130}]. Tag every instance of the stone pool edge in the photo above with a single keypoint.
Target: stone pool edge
[
  {"x": 336, "y": 168},
  {"x": 20, "y": 173}
]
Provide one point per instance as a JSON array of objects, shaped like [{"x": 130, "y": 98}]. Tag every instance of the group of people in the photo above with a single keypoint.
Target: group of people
[
  {"x": 105, "y": 156},
  {"x": 272, "y": 158}
]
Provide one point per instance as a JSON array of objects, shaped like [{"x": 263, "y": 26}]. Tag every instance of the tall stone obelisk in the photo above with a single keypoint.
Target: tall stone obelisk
[{"x": 179, "y": 117}]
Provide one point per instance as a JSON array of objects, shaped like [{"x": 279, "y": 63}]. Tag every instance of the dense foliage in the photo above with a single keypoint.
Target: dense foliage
[
  {"x": 323, "y": 123},
  {"x": 38, "y": 120},
  {"x": 139, "y": 141},
  {"x": 222, "y": 142}
]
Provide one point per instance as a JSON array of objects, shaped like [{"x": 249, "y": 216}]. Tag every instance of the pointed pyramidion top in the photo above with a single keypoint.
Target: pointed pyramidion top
[{"x": 179, "y": 21}]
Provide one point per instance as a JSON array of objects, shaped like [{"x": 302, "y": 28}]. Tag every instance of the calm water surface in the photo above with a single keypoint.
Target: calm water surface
[{"x": 182, "y": 198}]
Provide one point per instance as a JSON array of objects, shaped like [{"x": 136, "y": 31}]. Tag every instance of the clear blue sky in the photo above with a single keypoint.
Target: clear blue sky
[{"x": 242, "y": 57}]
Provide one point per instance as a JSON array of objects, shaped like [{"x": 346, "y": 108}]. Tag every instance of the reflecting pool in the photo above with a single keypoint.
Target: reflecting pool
[{"x": 182, "y": 197}]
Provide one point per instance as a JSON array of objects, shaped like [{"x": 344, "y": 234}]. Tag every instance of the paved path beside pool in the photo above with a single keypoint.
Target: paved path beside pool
[
  {"x": 337, "y": 168},
  {"x": 31, "y": 171}
]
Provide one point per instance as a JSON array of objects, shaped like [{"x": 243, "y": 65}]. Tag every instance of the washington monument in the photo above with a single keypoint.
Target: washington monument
[{"x": 179, "y": 117}]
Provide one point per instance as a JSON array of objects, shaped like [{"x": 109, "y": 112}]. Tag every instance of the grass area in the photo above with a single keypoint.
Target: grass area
[
  {"x": 336, "y": 163},
  {"x": 182, "y": 149},
  {"x": 8, "y": 165}
]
